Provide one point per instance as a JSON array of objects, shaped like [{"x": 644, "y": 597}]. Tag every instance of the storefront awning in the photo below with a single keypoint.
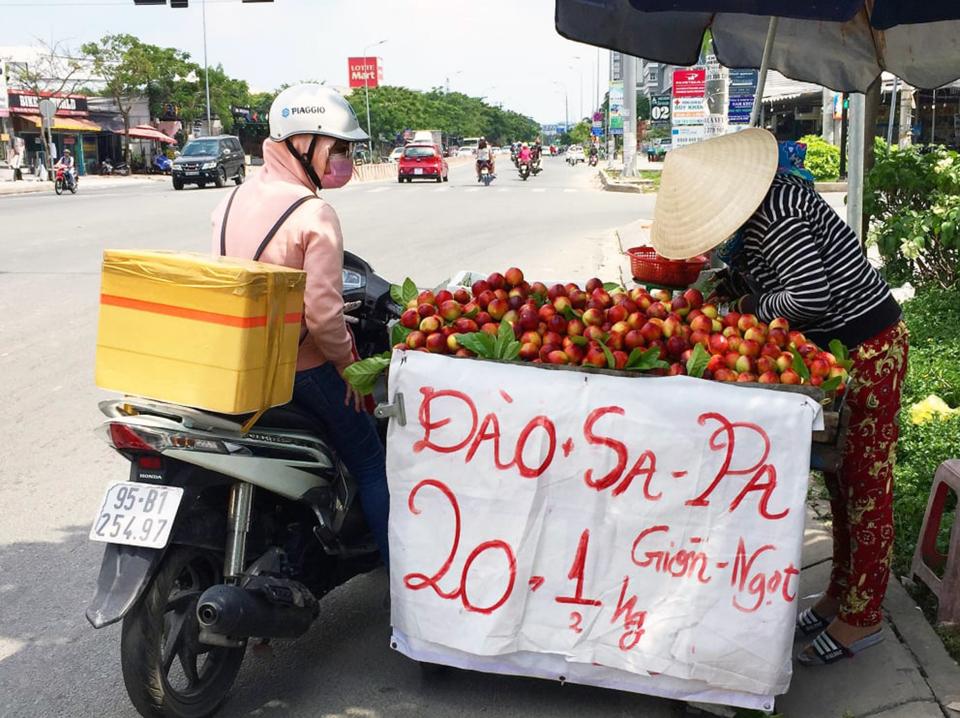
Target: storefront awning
[
  {"x": 147, "y": 132},
  {"x": 65, "y": 124}
]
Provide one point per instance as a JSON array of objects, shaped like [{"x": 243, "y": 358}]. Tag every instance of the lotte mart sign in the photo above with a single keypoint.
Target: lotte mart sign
[{"x": 364, "y": 71}]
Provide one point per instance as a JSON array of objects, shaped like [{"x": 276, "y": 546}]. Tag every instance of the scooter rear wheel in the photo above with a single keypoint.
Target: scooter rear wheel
[{"x": 166, "y": 670}]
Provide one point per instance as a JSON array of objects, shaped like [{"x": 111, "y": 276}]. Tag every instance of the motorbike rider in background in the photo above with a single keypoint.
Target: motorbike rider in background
[
  {"x": 70, "y": 168},
  {"x": 300, "y": 157},
  {"x": 484, "y": 156}
]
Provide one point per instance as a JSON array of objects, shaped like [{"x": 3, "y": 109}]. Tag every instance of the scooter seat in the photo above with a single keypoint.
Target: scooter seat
[{"x": 288, "y": 416}]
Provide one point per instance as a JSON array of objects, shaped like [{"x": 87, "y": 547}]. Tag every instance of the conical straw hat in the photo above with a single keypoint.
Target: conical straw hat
[{"x": 709, "y": 189}]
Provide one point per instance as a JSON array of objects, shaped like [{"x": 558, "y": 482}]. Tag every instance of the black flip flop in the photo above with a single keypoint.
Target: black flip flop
[{"x": 810, "y": 623}]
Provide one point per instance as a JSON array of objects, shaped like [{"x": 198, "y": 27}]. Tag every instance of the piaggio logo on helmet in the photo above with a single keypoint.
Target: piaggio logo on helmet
[{"x": 307, "y": 110}]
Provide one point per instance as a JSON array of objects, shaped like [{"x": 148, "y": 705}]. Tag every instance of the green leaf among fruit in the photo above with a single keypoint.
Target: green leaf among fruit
[{"x": 362, "y": 375}]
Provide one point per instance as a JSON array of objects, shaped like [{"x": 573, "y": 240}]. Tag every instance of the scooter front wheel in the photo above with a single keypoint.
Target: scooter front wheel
[
  {"x": 166, "y": 670},
  {"x": 58, "y": 186}
]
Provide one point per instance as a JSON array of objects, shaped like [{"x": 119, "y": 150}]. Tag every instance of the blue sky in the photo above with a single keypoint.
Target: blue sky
[{"x": 507, "y": 50}]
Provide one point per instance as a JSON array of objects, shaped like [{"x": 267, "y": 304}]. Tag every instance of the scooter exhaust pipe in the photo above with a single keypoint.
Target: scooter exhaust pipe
[{"x": 264, "y": 607}]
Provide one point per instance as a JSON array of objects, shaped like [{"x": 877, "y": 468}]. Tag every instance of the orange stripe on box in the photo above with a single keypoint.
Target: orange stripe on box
[{"x": 195, "y": 314}]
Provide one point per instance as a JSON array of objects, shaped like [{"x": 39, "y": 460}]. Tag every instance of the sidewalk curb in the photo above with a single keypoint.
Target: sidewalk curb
[
  {"x": 35, "y": 186},
  {"x": 612, "y": 185},
  {"x": 939, "y": 670},
  {"x": 830, "y": 186}
]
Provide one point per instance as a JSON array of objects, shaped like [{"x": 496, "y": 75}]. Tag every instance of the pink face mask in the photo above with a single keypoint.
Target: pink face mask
[{"x": 338, "y": 173}]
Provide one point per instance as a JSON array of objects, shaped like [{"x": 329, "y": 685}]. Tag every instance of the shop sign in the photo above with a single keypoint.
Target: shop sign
[
  {"x": 690, "y": 83},
  {"x": 28, "y": 103},
  {"x": 660, "y": 111},
  {"x": 616, "y": 108},
  {"x": 364, "y": 71},
  {"x": 687, "y": 134}
]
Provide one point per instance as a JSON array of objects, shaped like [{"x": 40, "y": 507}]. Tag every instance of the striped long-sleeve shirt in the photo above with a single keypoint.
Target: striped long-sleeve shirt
[{"x": 806, "y": 264}]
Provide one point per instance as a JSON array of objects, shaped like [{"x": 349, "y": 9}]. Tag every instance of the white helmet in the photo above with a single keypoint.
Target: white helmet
[{"x": 310, "y": 109}]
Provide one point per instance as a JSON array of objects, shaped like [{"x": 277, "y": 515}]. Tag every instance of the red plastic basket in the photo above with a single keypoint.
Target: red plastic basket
[{"x": 648, "y": 266}]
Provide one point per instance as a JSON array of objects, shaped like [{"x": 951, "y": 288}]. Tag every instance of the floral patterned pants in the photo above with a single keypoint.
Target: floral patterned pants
[{"x": 861, "y": 493}]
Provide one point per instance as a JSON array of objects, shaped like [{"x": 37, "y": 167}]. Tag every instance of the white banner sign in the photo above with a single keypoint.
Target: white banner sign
[{"x": 639, "y": 533}]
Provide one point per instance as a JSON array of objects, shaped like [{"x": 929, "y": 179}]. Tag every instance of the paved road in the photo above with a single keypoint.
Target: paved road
[{"x": 52, "y": 469}]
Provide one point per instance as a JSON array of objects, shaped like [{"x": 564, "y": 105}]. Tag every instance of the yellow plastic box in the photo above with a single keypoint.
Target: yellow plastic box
[{"x": 214, "y": 333}]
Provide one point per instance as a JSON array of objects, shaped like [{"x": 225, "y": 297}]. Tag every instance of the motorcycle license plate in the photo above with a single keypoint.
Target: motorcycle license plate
[
  {"x": 418, "y": 171},
  {"x": 136, "y": 514}
]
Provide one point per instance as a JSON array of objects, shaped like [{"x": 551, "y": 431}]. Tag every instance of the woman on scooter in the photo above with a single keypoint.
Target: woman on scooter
[{"x": 312, "y": 130}]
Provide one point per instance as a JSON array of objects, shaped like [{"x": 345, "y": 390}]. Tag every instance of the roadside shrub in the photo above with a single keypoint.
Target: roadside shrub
[
  {"x": 933, "y": 317},
  {"x": 913, "y": 195},
  {"x": 823, "y": 158}
]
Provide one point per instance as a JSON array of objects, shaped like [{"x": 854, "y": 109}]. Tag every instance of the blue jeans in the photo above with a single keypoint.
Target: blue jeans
[{"x": 321, "y": 392}]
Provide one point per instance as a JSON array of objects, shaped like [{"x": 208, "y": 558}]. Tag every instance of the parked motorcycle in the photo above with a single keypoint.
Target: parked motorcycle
[
  {"x": 65, "y": 179},
  {"x": 107, "y": 167},
  {"x": 162, "y": 164},
  {"x": 219, "y": 536}
]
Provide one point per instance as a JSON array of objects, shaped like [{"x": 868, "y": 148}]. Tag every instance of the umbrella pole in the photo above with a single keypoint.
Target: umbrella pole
[
  {"x": 858, "y": 105},
  {"x": 764, "y": 66}
]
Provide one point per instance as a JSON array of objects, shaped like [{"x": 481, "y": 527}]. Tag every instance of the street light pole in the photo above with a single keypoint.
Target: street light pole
[
  {"x": 206, "y": 69},
  {"x": 366, "y": 90}
]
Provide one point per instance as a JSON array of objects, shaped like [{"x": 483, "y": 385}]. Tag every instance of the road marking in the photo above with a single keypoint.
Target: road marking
[
  {"x": 472, "y": 189},
  {"x": 441, "y": 189},
  {"x": 503, "y": 189},
  {"x": 378, "y": 189},
  {"x": 568, "y": 189},
  {"x": 540, "y": 189}
]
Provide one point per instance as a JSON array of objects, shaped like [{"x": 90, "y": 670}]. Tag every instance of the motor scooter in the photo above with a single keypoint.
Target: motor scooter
[
  {"x": 162, "y": 164},
  {"x": 486, "y": 176},
  {"x": 108, "y": 167},
  {"x": 219, "y": 536},
  {"x": 65, "y": 179}
]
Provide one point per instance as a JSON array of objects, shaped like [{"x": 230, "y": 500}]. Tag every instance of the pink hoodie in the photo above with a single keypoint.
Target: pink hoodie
[{"x": 310, "y": 239}]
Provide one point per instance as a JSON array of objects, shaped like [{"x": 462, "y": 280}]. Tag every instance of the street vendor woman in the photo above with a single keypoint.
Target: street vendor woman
[{"x": 748, "y": 198}]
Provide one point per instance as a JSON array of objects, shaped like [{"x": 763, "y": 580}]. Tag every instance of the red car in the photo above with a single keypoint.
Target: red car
[{"x": 422, "y": 161}]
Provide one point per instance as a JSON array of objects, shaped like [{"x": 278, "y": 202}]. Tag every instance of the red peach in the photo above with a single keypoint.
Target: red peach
[
  {"x": 450, "y": 310},
  {"x": 426, "y": 310},
  {"x": 633, "y": 339},
  {"x": 490, "y": 328},
  {"x": 749, "y": 348},
  {"x": 495, "y": 281},
  {"x": 719, "y": 344},
  {"x": 428, "y": 325},
  {"x": 416, "y": 340},
  {"x": 410, "y": 319},
  {"x": 694, "y": 298},
  {"x": 746, "y": 321},
  {"x": 513, "y": 277}
]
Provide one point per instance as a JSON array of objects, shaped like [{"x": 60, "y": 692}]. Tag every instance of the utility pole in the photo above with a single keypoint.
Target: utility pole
[
  {"x": 826, "y": 116},
  {"x": 893, "y": 109},
  {"x": 630, "y": 116},
  {"x": 906, "y": 116},
  {"x": 206, "y": 69},
  {"x": 366, "y": 90}
]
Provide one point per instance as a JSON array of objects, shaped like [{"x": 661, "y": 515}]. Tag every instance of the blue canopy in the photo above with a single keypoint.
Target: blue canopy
[{"x": 842, "y": 44}]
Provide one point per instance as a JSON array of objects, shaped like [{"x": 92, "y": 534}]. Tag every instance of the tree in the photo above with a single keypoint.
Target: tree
[
  {"x": 126, "y": 66},
  {"x": 579, "y": 135},
  {"x": 53, "y": 74}
]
